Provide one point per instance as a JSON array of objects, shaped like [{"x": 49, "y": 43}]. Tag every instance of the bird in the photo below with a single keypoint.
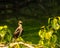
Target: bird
[{"x": 18, "y": 30}]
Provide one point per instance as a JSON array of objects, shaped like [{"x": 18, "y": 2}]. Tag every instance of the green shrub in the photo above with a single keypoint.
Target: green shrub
[
  {"x": 48, "y": 33},
  {"x": 5, "y": 34}
]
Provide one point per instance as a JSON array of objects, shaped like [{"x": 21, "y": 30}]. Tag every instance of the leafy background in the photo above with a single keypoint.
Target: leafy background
[{"x": 36, "y": 14}]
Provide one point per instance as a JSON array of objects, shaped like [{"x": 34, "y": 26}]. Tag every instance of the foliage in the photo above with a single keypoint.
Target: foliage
[
  {"x": 5, "y": 34},
  {"x": 48, "y": 33}
]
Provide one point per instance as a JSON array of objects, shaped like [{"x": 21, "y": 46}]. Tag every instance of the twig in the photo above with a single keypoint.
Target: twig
[
  {"x": 3, "y": 46},
  {"x": 12, "y": 44},
  {"x": 25, "y": 44}
]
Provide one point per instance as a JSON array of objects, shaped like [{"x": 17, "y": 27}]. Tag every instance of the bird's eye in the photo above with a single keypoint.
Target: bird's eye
[{"x": 20, "y": 23}]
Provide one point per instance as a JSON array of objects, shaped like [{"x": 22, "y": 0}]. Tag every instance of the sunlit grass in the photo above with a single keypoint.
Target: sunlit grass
[{"x": 31, "y": 28}]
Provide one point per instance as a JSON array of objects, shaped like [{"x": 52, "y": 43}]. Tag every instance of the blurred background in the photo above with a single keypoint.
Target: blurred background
[
  {"x": 33, "y": 13},
  {"x": 29, "y": 8}
]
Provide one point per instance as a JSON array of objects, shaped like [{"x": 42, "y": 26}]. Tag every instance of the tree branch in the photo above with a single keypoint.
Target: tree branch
[{"x": 12, "y": 44}]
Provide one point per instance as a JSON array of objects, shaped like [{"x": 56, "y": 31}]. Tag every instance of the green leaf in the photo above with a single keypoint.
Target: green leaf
[
  {"x": 49, "y": 21},
  {"x": 55, "y": 24},
  {"x": 54, "y": 39}
]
